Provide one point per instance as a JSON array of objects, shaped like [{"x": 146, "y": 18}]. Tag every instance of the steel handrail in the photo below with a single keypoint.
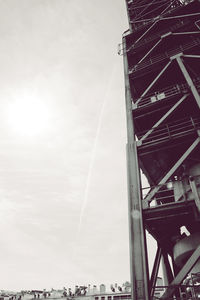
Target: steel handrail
[
  {"x": 176, "y": 123},
  {"x": 168, "y": 187},
  {"x": 160, "y": 57},
  {"x": 167, "y": 92},
  {"x": 155, "y": 36},
  {"x": 172, "y": 130},
  {"x": 148, "y": 21}
]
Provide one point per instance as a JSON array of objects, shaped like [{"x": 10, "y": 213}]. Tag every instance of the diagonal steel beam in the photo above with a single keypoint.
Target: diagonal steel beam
[
  {"x": 189, "y": 80},
  {"x": 142, "y": 36},
  {"x": 145, "y": 8},
  {"x": 163, "y": 12},
  {"x": 154, "y": 81},
  {"x": 141, "y": 17},
  {"x": 163, "y": 117},
  {"x": 149, "y": 51},
  {"x": 149, "y": 197},
  {"x": 167, "y": 270},
  {"x": 144, "y": 5},
  {"x": 182, "y": 274},
  {"x": 155, "y": 270}
]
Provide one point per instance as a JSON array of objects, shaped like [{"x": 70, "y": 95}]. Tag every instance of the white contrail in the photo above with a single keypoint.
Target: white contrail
[{"x": 85, "y": 200}]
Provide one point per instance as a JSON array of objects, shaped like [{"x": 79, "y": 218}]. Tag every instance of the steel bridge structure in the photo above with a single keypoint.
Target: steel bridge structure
[{"x": 161, "y": 52}]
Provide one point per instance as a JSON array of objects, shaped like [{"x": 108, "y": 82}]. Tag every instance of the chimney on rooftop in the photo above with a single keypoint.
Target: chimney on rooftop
[{"x": 102, "y": 289}]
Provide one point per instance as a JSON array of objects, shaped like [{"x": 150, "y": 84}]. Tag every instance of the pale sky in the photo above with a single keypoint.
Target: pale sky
[{"x": 63, "y": 191}]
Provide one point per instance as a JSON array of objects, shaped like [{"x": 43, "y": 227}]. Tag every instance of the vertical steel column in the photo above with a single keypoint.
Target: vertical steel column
[{"x": 138, "y": 251}]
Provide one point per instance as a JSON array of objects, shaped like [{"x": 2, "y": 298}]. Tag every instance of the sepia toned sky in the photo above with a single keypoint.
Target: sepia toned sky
[{"x": 63, "y": 198}]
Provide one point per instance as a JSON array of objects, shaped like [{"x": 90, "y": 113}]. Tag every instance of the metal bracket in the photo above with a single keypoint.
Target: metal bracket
[{"x": 176, "y": 56}]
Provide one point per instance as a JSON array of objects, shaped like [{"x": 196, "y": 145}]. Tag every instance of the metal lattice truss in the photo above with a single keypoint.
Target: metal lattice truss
[
  {"x": 142, "y": 13},
  {"x": 162, "y": 79}
]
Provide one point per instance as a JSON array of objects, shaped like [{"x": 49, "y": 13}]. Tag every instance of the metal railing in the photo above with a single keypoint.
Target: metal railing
[
  {"x": 176, "y": 129},
  {"x": 164, "y": 196},
  {"x": 172, "y": 191},
  {"x": 163, "y": 56},
  {"x": 143, "y": 23},
  {"x": 165, "y": 93},
  {"x": 153, "y": 37},
  {"x": 185, "y": 291},
  {"x": 151, "y": 10}
]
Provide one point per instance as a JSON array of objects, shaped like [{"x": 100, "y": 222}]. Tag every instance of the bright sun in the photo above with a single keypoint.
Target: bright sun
[{"x": 28, "y": 117}]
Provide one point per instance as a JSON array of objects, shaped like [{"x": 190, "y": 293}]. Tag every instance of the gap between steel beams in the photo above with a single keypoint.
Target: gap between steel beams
[
  {"x": 150, "y": 10},
  {"x": 149, "y": 51},
  {"x": 136, "y": 7},
  {"x": 166, "y": 18},
  {"x": 153, "y": 82},
  {"x": 182, "y": 274},
  {"x": 164, "y": 117},
  {"x": 149, "y": 197}
]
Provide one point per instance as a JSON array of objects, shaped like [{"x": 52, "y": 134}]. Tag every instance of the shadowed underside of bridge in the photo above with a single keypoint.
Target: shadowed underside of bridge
[{"x": 161, "y": 52}]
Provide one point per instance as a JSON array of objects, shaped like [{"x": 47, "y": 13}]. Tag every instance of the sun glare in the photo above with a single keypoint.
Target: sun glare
[{"x": 28, "y": 116}]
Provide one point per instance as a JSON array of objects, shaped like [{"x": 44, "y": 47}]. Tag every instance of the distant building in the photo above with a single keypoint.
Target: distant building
[{"x": 117, "y": 292}]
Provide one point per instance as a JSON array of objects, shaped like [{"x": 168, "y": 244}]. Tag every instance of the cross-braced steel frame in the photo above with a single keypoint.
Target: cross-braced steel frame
[{"x": 161, "y": 52}]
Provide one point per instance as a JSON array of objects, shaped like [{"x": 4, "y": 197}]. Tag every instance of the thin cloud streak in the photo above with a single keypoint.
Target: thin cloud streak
[{"x": 93, "y": 153}]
